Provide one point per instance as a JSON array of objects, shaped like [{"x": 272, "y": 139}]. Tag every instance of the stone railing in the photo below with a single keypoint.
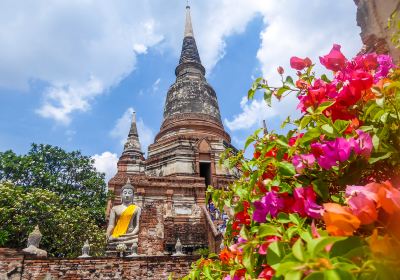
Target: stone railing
[
  {"x": 15, "y": 265},
  {"x": 214, "y": 236}
]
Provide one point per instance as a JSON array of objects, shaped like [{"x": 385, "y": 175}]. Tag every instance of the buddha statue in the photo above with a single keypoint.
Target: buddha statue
[{"x": 123, "y": 225}]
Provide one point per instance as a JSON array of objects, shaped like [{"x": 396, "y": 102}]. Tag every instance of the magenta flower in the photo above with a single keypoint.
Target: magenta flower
[
  {"x": 329, "y": 153},
  {"x": 369, "y": 191},
  {"x": 269, "y": 204},
  {"x": 363, "y": 143},
  {"x": 301, "y": 162},
  {"x": 385, "y": 65},
  {"x": 299, "y": 63},
  {"x": 305, "y": 204},
  {"x": 335, "y": 60}
]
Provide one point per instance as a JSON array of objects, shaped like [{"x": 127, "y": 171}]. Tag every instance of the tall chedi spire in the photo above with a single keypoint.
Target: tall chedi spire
[
  {"x": 191, "y": 116},
  {"x": 191, "y": 95},
  {"x": 132, "y": 160}
]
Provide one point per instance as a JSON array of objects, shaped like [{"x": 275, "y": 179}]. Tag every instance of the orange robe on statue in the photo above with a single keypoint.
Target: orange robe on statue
[{"x": 124, "y": 221}]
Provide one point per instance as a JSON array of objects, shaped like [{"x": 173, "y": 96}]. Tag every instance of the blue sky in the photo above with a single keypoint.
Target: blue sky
[{"x": 71, "y": 72}]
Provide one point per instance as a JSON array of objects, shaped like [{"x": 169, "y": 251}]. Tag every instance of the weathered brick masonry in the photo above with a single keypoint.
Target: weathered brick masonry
[{"x": 15, "y": 265}]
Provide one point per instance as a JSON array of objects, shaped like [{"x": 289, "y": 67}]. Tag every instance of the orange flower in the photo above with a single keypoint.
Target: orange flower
[
  {"x": 205, "y": 262},
  {"x": 225, "y": 256},
  {"x": 389, "y": 198},
  {"x": 380, "y": 245},
  {"x": 339, "y": 220}
]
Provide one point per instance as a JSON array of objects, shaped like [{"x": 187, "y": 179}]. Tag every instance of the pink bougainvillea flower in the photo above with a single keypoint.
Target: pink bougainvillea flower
[
  {"x": 329, "y": 153},
  {"x": 363, "y": 208},
  {"x": 267, "y": 273},
  {"x": 359, "y": 82},
  {"x": 335, "y": 60},
  {"x": 363, "y": 144},
  {"x": 370, "y": 191},
  {"x": 385, "y": 65},
  {"x": 301, "y": 162},
  {"x": 316, "y": 93},
  {"x": 299, "y": 63},
  {"x": 293, "y": 139},
  {"x": 304, "y": 203},
  {"x": 366, "y": 62},
  {"x": 271, "y": 203},
  {"x": 264, "y": 247}
]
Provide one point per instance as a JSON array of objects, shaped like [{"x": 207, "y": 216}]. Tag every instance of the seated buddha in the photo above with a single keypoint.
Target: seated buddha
[{"x": 123, "y": 225}]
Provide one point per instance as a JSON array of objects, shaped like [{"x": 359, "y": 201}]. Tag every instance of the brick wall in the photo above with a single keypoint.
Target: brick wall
[{"x": 13, "y": 263}]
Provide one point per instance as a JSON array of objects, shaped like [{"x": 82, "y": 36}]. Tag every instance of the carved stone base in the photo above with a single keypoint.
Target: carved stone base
[{"x": 126, "y": 239}]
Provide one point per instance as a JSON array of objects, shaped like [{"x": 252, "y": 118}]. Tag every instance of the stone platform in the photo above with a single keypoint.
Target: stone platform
[{"x": 15, "y": 265}]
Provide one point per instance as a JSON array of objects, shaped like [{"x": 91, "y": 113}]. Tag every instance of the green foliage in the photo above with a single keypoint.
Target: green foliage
[
  {"x": 64, "y": 227},
  {"x": 70, "y": 175},
  {"x": 202, "y": 252},
  {"x": 268, "y": 237}
]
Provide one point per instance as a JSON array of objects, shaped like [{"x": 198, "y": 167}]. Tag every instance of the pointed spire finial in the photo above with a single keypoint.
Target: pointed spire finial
[
  {"x": 188, "y": 24},
  {"x": 133, "y": 116}
]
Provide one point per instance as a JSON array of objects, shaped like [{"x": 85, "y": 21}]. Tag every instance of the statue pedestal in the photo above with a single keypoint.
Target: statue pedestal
[{"x": 127, "y": 239}]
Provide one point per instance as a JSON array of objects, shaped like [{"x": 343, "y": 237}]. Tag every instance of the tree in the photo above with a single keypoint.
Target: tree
[
  {"x": 69, "y": 175},
  {"x": 64, "y": 227}
]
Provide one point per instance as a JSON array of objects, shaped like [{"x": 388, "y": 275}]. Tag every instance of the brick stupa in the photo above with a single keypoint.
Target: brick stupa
[{"x": 170, "y": 184}]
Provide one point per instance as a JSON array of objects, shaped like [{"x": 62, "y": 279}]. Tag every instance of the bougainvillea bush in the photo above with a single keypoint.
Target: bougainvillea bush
[{"x": 322, "y": 201}]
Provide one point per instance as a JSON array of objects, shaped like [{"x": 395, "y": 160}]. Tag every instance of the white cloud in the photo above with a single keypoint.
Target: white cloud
[
  {"x": 156, "y": 85},
  {"x": 61, "y": 101},
  {"x": 252, "y": 113},
  {"x": 297, "y": 28},
  {"x": 255, "y": 111},
  {"x": 106, "y": 163},
  {"x": 122, "y": 126},
  {"x": 71, "y": 43}
]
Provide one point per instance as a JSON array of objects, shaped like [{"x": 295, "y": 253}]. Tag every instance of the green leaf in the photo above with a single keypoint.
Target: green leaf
[
  {"x": 328, "y": 129},
  {"x": 305, "y": 120},
  {"x": 323, "y": 106},
  {"x": 285, "y": 122},
  {"x": 281, "y": 91},
  {"x": 375, "y": 142},
  {"x": 380, "y": 102},
  {"x": 286, "y": 168},
  {"x": 341, "y": 125},
  {"x": 289, "y": 81},
  {"x": 250, "y": 94},
  {"x": 295, "y": 218},
  {"x": 293, "y": 275},
  {"x": 316, "y": 246},
  {"x": 268, "y": 97},
  {"x": 275, "y": 253},
  {"x": 331, "y": 275},
  {"x": 321, "y": 187},
  {"x": 315, "y": 276},
  {"x": 298, "y": 250},
  {"x": 283, "y": 218},
  {"x": 310, "y": 135},
  {"x": 207, "y": 272},
  {"x": 325, "y": 78},
  {"x": 342, "y": 247},
  {"x": 248, "y": 257},
  {"x": 267, "y": 230},
  {"x": 249, "y": 140},
  {"x": 376, "y": 158}
]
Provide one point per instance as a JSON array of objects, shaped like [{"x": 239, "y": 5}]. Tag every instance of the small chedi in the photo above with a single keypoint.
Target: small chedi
[
  {"x": 123, "y": 225},
  {"x": 34, "y": 239}
]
